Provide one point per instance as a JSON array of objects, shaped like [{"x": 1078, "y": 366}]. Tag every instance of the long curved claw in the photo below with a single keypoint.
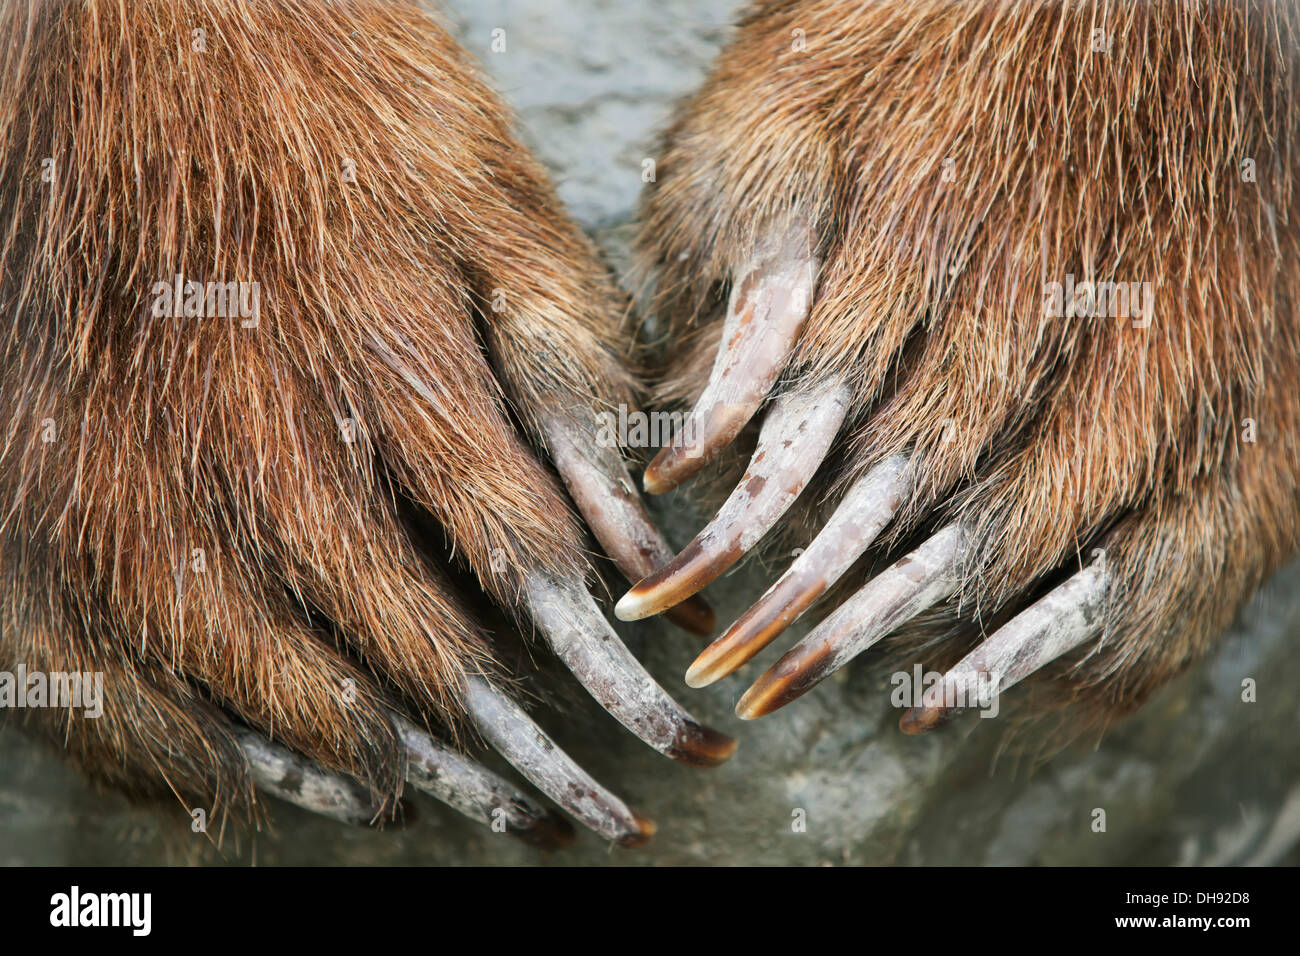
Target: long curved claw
[
  {"x": 1058, "y": 622},
  {"x": 866, "y": 509},
  {"x": 575, "y": 629},
  {"x": 479, "y": 794},
  {"x": 770, "y": 297},
  {"x": 296, "y": 780},
  {"x": 926, "y": 576},
  {"x": 598, "y": 481},
  {"x": 529, "y": 750},
  {"x": 795, "y": 438}
]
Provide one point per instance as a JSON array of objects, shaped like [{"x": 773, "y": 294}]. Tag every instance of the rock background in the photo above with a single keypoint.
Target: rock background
[{"x": 1198, "y": 776}]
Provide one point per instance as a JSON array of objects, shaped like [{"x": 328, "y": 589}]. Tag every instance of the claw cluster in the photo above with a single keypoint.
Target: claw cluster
[
  {"x": 220, "y": 517},
  {"x": 959, "y": 165}
]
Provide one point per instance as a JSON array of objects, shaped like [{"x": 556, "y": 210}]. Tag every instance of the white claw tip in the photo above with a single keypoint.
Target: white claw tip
[
  {"x": 696, "y": 678},
  {"x": 630, "y": 608}
]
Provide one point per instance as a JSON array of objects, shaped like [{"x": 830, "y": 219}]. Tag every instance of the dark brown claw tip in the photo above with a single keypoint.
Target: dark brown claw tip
[
  {"x": 662, "y": 475},
  {"x": 598, "y": 481},
  {"x": 691, "y": 571},
  {"x": 922, "y": 720},
  {"x": 751, "y": 632},
  {"x": 769, "y": 302},
  {"x": 549, "y": 832},
  {"x": 792, "y": 443},
  {"x": 798, "y": 672},
  {"x": 679, "y": 462},
  {"x": 698, "y": 746},
  {"x": 645, "y": 830},
  {"x": 694, "y": 615}
]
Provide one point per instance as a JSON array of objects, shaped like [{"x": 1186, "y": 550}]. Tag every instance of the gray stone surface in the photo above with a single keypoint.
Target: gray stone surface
[{"x": 1197, "y": 777}]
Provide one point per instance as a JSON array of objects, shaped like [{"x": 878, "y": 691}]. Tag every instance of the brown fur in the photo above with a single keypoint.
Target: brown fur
[
  {"x": 1069, "y": 434},
  {"x": 226, "y": 164}
]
